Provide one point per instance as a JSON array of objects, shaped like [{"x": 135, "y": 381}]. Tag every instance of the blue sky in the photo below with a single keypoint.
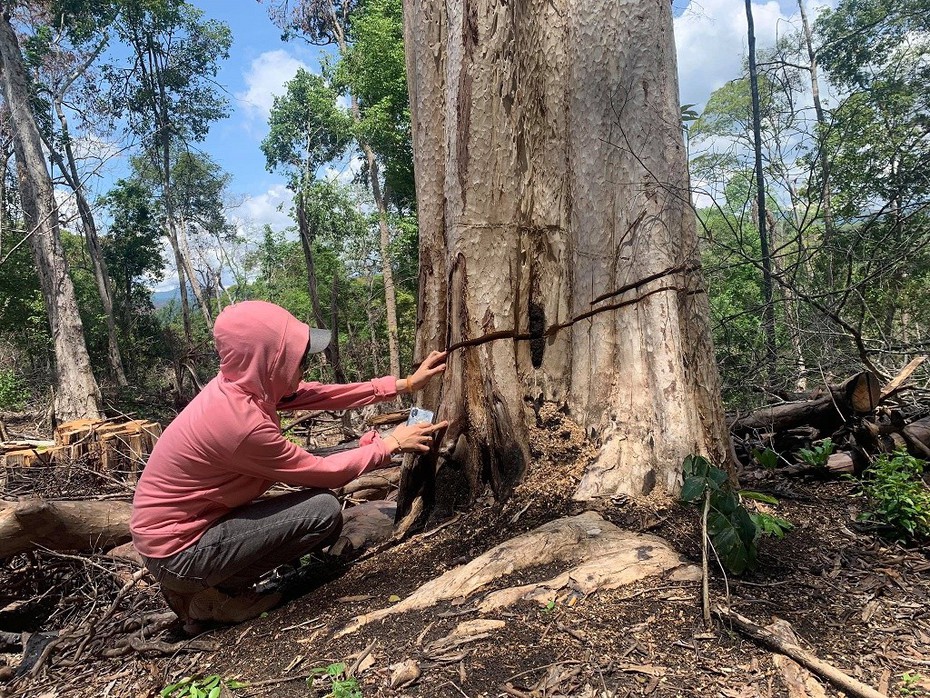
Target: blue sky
[{"x": 710, "y": 37}]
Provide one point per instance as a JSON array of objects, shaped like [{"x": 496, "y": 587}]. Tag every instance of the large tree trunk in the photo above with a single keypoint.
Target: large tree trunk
[
  {"x": 76, "y": 391},
  {"x": 550, "y": 173}
]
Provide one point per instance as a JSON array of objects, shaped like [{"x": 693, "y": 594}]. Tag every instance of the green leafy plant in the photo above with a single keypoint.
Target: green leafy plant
[
  {"x": 767, "y": 458},
  {"x": 910, "y": 683},
  {"x": 333, "y": 677},
  {"x": 897, "y": 495},
  {"x": 13, "y": 394},
  {"x": 818, "y": 455},
  {"x": 733, "y": 530},
  {"x": 769, "y": 525},
  {"x": 207, "y": 687}
]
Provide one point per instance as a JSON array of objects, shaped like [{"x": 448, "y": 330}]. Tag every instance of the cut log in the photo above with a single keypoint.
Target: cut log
[
  {"x": 111, "y": 446},
  {"x": 85, "y": 525},
  {"x": 856, "y": 396},
  {"x": 597, "y": 555}
]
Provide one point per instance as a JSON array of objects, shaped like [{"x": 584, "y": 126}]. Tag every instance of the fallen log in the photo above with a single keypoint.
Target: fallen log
[
  {"x": 385, "y": 480},
  {"x": 857, "y": 395},
  {"x": 30, "y": 523},
  {"x": 800, "y": 682}
]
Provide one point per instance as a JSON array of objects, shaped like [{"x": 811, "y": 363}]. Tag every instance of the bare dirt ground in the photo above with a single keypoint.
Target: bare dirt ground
[{"x": 856, "y": 601}]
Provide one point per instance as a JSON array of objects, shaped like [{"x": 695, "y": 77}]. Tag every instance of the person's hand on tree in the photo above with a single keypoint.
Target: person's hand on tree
[
  {"x": 412, "y": 438},
  {"x": 431, "y": 366}
]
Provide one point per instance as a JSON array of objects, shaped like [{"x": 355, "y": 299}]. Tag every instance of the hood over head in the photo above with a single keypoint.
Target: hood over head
[{"x": 260, "y": 346}]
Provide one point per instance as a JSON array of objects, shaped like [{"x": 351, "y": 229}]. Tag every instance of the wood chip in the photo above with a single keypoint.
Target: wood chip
[{"x": 404, "y": 673}]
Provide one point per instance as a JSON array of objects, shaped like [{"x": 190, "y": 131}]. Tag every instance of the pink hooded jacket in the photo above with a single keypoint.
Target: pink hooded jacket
[{"x": 226, "y": 448}]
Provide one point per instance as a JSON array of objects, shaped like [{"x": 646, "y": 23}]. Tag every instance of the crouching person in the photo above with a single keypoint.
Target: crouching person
[{"x": 196, "y": 518}]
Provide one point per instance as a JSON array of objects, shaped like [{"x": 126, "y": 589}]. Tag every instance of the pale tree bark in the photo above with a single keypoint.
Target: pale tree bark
[
  {"x": 179, "y": 228},
  {"x": 550, "y": 172},
  {"x": 825, "y": 191},
  {"x": 76, "y": 391}
]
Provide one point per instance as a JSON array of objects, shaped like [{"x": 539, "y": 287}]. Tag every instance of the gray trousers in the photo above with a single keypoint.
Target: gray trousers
[{"x": 252, "y": 540}]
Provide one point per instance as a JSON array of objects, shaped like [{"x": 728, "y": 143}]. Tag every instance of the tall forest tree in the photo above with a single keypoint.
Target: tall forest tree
[
  {"x": 371, "y": 75},
  {"x": 63, "y": 72},
  {"x": 76, "y": 391},
  {"x": 169, "y": 98},
  {"x": 306, "y": 130},
  {"x": 557, "y": 243}
]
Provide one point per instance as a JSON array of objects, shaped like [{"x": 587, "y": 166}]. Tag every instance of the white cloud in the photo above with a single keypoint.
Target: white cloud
[
  {"x": 344, "y": 172},
  {"x": 265, "y": 80},
  {"x": 271, "y": 207},
  {"x": 712, "y": 43}
]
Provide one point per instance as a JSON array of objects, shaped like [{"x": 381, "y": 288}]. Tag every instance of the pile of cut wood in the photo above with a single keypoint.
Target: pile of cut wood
[
  {"x": 117, "y": 447},
  {"x": 861, "y": 419}
]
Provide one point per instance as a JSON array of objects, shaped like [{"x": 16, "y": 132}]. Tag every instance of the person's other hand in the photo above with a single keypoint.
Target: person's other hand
[
  {"x": 431, "y": 366},
  {"x": 413, "y": 438}
]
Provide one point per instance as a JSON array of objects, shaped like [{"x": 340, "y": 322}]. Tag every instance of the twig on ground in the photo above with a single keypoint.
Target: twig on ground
[{"x": 705, "y": 575}]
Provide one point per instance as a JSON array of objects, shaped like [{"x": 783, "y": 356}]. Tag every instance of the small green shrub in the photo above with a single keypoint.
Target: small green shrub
[
  {"x": 13, "y": 394},
  {"x": 897, "y": 495},
  {"x": 818, "y": 455},
  {"x": 333, "y": 677},
  {"x": 767, "y": 458},
  {"x": 733, "y": 530},
  {"x": 207, "y": 687}
]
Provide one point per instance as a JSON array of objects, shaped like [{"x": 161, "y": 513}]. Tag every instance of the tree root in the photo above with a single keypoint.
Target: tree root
[{"x": 601, "y": 556}]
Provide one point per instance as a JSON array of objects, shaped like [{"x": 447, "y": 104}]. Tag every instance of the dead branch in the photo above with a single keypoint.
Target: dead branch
[{"x": 840, "y": 679}]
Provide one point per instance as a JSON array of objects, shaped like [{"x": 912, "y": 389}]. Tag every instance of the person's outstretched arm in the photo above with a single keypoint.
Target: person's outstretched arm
[{"x": 335, "y": 396}]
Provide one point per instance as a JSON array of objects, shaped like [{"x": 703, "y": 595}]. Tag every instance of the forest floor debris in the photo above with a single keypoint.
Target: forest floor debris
[{"x": 856, "y": 601}]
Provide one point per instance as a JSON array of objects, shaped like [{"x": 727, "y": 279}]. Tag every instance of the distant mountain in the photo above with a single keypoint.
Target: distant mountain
[{"x": 163, "y": 298}]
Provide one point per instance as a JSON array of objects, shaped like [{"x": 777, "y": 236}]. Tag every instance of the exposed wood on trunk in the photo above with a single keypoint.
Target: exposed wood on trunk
[{"x": 29, "y": 523}]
